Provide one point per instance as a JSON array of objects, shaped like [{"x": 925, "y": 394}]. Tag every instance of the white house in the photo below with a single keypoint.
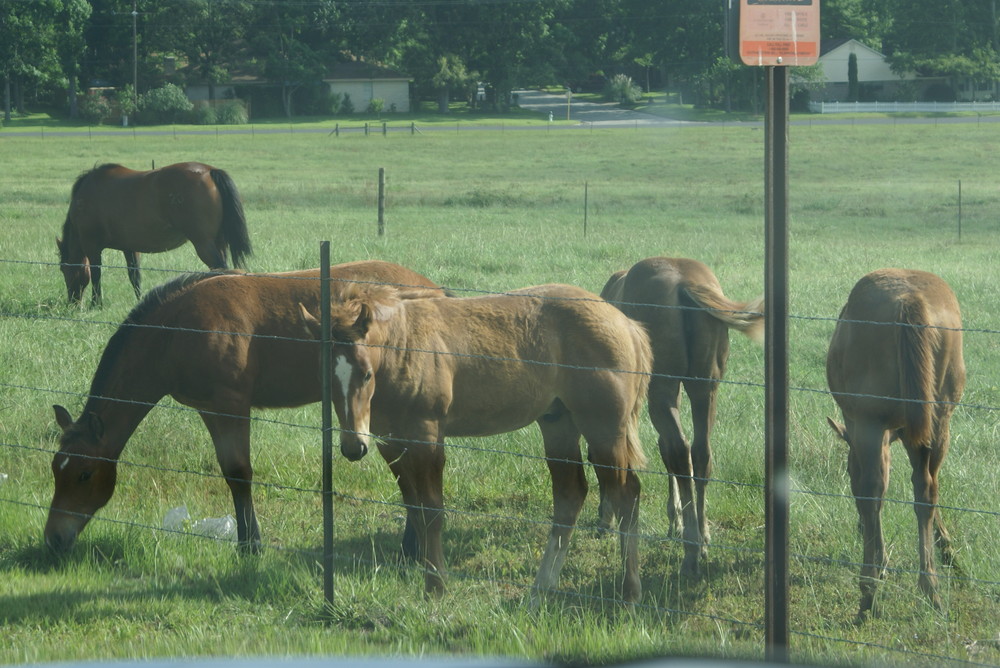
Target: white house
[
  {"x": 362, "y": 81},
  {"x": 365, "y": 82},
  {"x": 876, "y": 80}
]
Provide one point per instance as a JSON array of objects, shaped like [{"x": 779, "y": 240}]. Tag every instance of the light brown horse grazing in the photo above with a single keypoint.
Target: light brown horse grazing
[
  {"x": 688, "y": 319},
  {"x": 895, "y": 368},
  {"x": 413, "y": 372},
  {"x": 220, "y": 343},
  {"x": 149, "y": 212}
]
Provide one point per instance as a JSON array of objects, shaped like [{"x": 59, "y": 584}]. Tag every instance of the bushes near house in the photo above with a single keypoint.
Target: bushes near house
[
  {"x": 621, "y": 89},
  {"x": 94, "y": 107},
  {"x": 165, "y": 105}
]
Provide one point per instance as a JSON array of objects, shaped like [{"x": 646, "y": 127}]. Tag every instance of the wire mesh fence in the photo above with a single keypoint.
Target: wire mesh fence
[{"x": 815, "y": 558}]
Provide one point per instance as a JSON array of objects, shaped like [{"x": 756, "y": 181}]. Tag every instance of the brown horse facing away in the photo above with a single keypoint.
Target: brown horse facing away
[
  {"x": 413, "y": 372},
  {"x": 688, "y": 319},
  {"x": 220, "y": 343},
  {"x": 895, "y": 368},
  {"x": 149, "y": 212}
]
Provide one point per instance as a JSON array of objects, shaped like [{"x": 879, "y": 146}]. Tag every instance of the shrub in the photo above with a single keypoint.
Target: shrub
[
  {"x": 164, "y": 104},
  {"x": 233, "y": 112},
  {"x": 622, "y": 89},
  {"x": 94, "y": 108},
  {"x": 204, "y": 114},
  {"x": 335, "y": 103},
  {"x": 376, "y": 106},
  {"x": 347, "y": 107}
]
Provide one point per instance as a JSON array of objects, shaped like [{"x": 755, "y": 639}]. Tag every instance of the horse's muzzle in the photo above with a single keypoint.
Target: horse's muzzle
[
  {"x": 353, "y": 449},
  {"x": 60, "y": 542}
]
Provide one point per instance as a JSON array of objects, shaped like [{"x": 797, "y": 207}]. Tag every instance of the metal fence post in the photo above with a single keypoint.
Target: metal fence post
[{"x": 327, "y": 412}]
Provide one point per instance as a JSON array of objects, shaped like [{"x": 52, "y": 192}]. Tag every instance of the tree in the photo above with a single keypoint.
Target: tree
[
  {"x": 451, "y": 74},
  {"x": 852, "y": 78},
  {"x": 956, "y": 39},
  {"x": 209, "y": 34},
  {"x": 71, "y": 45}
]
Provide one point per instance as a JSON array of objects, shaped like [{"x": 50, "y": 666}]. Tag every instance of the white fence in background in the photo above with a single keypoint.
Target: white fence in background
[{"x": 889, "y": 107}]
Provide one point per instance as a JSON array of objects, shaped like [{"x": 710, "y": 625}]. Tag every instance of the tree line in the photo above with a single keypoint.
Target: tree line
[{"x": 50, "y": 50}]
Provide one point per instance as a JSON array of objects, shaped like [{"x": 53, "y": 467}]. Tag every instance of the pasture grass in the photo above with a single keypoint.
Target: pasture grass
[{"x": 491, "y": 211}]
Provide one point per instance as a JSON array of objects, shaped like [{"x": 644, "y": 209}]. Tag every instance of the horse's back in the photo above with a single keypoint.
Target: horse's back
[
  {"x": 504, "y": 358},
  {"x": 244, "y": 332},
  {"x": 898, "y": 336}
]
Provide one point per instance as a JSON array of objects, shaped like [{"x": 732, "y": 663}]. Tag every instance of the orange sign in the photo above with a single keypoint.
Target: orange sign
[{"x": 779, "y": 32}]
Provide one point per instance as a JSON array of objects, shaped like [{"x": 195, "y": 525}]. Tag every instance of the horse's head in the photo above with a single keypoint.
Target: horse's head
[
  {"x": 75, "y": 272},
  {"x": 83, "y": 482},
  {"x": 353, "y": 372}
]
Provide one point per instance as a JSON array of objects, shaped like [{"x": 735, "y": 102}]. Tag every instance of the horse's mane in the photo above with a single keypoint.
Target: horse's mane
[
  {"x": 153, "y": 299},
  {"x": 376, "y": 294}
]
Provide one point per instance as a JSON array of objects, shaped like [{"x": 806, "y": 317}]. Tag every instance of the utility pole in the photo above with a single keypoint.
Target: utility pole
[{"x": 135, "y": 58}]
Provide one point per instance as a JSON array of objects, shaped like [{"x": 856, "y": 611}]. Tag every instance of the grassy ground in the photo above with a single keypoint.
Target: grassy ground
[{"x": 490, "y": 211}]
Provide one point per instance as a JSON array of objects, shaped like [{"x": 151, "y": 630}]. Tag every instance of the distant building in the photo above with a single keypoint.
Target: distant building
[
  {"x": 876, "y": 80},
  {"x": 361, "y": 81}
]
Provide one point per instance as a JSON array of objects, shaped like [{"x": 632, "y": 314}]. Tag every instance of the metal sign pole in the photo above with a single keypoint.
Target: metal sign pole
[{"x": 776, "y": 365}]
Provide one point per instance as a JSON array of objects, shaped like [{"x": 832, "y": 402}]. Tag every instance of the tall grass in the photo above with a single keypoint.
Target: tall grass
[{"x": 488, "y": 211}]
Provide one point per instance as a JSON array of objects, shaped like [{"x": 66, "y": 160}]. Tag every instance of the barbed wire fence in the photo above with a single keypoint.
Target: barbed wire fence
[{"x": 753, "y": 624}]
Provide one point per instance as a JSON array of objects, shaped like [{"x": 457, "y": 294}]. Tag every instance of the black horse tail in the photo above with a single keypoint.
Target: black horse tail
[{"x": 234, "y": 222}]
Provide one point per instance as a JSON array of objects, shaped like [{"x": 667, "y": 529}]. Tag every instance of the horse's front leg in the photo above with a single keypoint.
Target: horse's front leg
[
  {"x": 95, "y": 279},
  {"x": 134, "y": 274},
  {"x": 419, "y": 469},
  {"x": 231, "y": 436}
]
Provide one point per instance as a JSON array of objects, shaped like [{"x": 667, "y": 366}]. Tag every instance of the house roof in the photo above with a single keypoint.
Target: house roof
[
  {"x": 830, "y": 45},
  {"x": 360, "y": 70}
]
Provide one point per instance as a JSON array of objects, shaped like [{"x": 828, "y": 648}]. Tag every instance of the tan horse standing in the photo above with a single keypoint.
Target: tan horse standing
[
  {"x": 895, "y": 368},
  {"x": 220, "y": 343},
  {"x": 413, "y": 372},
  {"x": 688, "y": 319},
  {"x": 149, "y": 212}
]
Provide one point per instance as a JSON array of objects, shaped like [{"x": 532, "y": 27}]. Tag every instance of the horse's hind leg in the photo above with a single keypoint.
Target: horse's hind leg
[
  {"x": 664, "y": 411},
  {"x": 703, "y": 397},
  {"x": 569, "y": 490},
  {"x": 134, "y": 274},
  {"x": 926, "y": 461},
  {"x": 212, "y": 255},
  {"x": 231, "y": 437}
]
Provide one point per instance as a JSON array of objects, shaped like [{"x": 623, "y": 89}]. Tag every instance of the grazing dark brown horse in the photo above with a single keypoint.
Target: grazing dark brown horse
[
  {"x": 413, "y": 372},
  {"x": 688, "y": 319},
  {"x": 207, "y": 340},
  {"x": 149, "y": 212},
  {"x": 895, "y": 368}
]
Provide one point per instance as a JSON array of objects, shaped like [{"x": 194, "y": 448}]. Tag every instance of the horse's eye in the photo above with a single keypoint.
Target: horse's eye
[
  {"x": 368, "y": 376},
  {"x": 85, "y": 476}
]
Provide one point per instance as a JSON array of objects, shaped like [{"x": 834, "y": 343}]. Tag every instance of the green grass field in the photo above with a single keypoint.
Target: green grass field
[{"x": 485, "y": 211}]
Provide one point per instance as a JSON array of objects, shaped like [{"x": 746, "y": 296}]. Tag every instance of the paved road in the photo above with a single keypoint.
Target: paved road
[{"x": 605, "y": 114}]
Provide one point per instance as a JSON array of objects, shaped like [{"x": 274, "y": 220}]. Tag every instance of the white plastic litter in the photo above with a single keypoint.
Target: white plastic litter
[
  {"x": 178, "y": 519},
  {"x": 216, "y": 527}
]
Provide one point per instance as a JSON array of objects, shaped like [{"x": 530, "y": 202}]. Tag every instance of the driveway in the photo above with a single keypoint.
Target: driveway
[{"x": 587, "y": 113}]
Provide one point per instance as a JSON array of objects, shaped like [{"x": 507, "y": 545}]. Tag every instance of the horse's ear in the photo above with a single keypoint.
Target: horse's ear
[
  {"x": 365, "y": 318},
  {"x": 839, "y": 429},
  {"x": 96, "y": 425},
  {"x": 310, "y": 323},
  {"x": 63, "y": 418}
]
